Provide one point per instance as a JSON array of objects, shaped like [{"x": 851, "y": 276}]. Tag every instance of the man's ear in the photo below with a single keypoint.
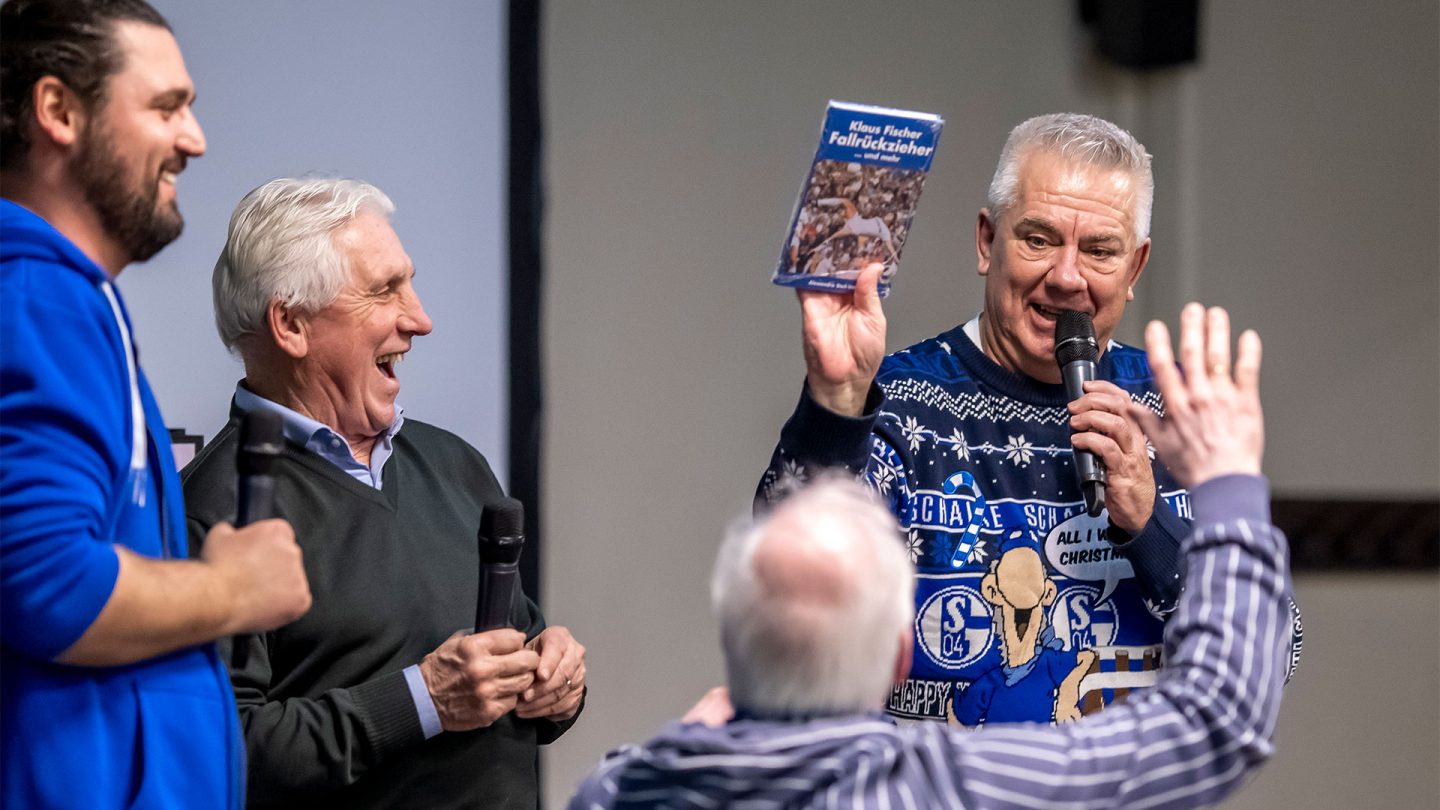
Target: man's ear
[
  {"x": 902, "y": 658},
  {"x": 288, "y": 329},
  {"x": 984, "y": 240},
  {"x": 1142, "y": 257},
  {"x": 58, "y": 112}
]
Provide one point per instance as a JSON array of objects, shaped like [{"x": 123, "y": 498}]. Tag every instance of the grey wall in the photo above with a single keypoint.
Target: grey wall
[
  {"x": 1298, "y": 172},
  {"x": 409, "y": 98}
]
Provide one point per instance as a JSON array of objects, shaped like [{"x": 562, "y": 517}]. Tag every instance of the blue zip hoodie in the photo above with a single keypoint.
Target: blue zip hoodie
[{"x": 85, "y": 464}]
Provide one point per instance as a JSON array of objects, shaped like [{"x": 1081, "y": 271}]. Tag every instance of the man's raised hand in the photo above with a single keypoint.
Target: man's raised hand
[
  {"x": 1213, "y": 424},
  {"x": 844, "y": 342}
]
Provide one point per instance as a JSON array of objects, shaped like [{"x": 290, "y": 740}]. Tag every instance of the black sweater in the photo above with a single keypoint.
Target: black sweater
[{"x": 328, "y": 718}]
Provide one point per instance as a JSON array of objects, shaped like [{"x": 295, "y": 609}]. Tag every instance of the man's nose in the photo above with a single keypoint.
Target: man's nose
[
  {"x": 414, "y": 320},
  {"x": 1065, "y": 274},
  {"x": 192, "y": 138}
]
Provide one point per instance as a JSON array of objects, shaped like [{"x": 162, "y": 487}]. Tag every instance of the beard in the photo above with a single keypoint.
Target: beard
[{"x": 128, "y": 207}]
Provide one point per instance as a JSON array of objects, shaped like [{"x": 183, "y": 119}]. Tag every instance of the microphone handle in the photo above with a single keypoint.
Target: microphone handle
[
  {"x": 1089, "y": 469},
  {"x": 1075, "y": 374},
  {"x": 497, "y": 595},
  {"x": 257, "y": 502},
  {"x": 1094, "y": 496},
  {"x": 257, "y": 499}
]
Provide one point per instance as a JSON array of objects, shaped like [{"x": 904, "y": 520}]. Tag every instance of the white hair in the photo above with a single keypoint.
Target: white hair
[
  {"x": 790, "y": 652},
  {"x": 1082, "y": 138},
  {"x": 280, "y": 247}
]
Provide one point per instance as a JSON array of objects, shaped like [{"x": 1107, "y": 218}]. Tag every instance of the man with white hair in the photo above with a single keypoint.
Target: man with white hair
[
  {"x": 970, "y": 438},
  {"x": 381, "y": 696},
  {"x": 814, "y": 612}
]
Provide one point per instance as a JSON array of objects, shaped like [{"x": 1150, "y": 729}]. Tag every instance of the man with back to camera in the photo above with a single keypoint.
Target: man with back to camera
[
  {"x": 1028, "y": 609},
  {"x": 814, "y": 606},
  {"x": 112, "y": 694},
  {"x": 380, "y": 697}
]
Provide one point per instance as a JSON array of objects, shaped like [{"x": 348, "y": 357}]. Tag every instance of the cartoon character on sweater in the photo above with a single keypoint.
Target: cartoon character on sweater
[{"x": 1038, "y": 679}]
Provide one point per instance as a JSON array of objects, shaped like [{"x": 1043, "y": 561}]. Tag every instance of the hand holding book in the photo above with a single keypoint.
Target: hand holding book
[{"x": 844, "y": 342}]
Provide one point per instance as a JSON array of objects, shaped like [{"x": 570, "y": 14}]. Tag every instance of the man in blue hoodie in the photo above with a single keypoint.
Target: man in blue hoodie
[{"x": 112, "y": 694}]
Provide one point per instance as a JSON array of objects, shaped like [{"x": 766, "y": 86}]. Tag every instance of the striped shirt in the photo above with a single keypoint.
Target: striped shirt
[{"x": 1189, "y": 741}]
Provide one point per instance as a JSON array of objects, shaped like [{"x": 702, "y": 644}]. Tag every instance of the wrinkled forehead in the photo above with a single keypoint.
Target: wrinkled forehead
[
  {"x": 1051, "y": 179},
  {"x": 372, "y": 248}
]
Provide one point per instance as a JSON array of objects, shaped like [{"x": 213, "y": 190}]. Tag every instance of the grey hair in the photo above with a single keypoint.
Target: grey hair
[
  {"x": 785, "y": 654},
  {"x": 280, "y": 247},
  {"x": 1083, "y": 138}
]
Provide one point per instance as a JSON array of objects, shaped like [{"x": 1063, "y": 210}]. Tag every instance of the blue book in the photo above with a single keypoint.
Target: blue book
[{"x": 859, "y": 200}]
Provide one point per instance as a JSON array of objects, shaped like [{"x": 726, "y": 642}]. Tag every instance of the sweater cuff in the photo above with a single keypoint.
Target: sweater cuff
[
  {"x": 822, "y": 437},
  {"x": 1154, "y": 553},
  {"x": 1232, "y": 497},
  {"x": 388, "y": 713},
  {"x": 548, "y": 731}
]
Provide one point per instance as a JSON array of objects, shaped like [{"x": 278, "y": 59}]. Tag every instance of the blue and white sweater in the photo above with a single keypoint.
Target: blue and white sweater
[{"x": 977, "y": 465}]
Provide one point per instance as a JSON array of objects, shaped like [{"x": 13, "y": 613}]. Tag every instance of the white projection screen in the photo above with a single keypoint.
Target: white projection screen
[{"x": 408, "y": 96}]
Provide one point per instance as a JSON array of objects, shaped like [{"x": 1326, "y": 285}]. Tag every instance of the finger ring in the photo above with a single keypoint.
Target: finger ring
[
  {"x": 567, "y": 683},
  {"x": 1217, "y": 370}
]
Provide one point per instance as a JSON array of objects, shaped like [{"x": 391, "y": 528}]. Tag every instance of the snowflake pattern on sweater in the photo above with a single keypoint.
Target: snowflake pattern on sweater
[{"x": 1025, "y": 608}]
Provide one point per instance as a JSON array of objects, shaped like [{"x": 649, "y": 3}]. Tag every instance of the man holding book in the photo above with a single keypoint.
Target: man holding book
[{"x": 1027, "y": 607}]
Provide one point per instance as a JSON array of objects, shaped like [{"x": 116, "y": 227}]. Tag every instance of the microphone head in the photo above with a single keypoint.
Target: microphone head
[
  {"x": 262, "y": 440},
  {"x": 502, "y": 530},
  {"x": 1075, "y": 338},
  {"x": 503, "y": 518}
]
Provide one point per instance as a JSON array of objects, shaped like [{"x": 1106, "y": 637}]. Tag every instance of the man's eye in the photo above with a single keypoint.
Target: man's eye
[
  {"x": 1102, "y": 253},
  {"x": 1036, "y": 242}
]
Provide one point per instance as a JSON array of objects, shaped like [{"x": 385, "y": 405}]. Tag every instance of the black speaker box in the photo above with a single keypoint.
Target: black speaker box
[{"x": 1144, "y": 34}]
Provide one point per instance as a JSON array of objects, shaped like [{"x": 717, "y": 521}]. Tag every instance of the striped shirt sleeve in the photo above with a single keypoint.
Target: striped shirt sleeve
[{"x": 1195, "y": 737}]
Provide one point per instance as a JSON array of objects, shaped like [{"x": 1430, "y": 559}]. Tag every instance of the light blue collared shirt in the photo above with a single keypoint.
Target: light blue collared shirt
[{"x": 324, "y": 442}]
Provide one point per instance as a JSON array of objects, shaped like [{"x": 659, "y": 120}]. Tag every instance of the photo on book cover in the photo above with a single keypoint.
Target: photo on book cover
[{"x": 852, "y": 215}]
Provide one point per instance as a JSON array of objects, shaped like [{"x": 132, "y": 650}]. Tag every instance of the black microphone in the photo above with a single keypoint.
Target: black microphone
[
  {"x": 262, "y": 440},
  {"x": 502, "y": 538},
  {"x": 1075, "y": 353}
]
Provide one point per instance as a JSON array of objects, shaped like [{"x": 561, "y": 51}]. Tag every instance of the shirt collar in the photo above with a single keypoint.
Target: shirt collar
[{"x": 311, "y": 434}]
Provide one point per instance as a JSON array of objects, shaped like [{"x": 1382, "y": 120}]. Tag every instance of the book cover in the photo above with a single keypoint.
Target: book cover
[{"x": 858, "y": 201}]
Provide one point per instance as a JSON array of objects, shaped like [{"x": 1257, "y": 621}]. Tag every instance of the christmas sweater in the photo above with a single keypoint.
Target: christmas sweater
[{"x": 1027, "y": 609}]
